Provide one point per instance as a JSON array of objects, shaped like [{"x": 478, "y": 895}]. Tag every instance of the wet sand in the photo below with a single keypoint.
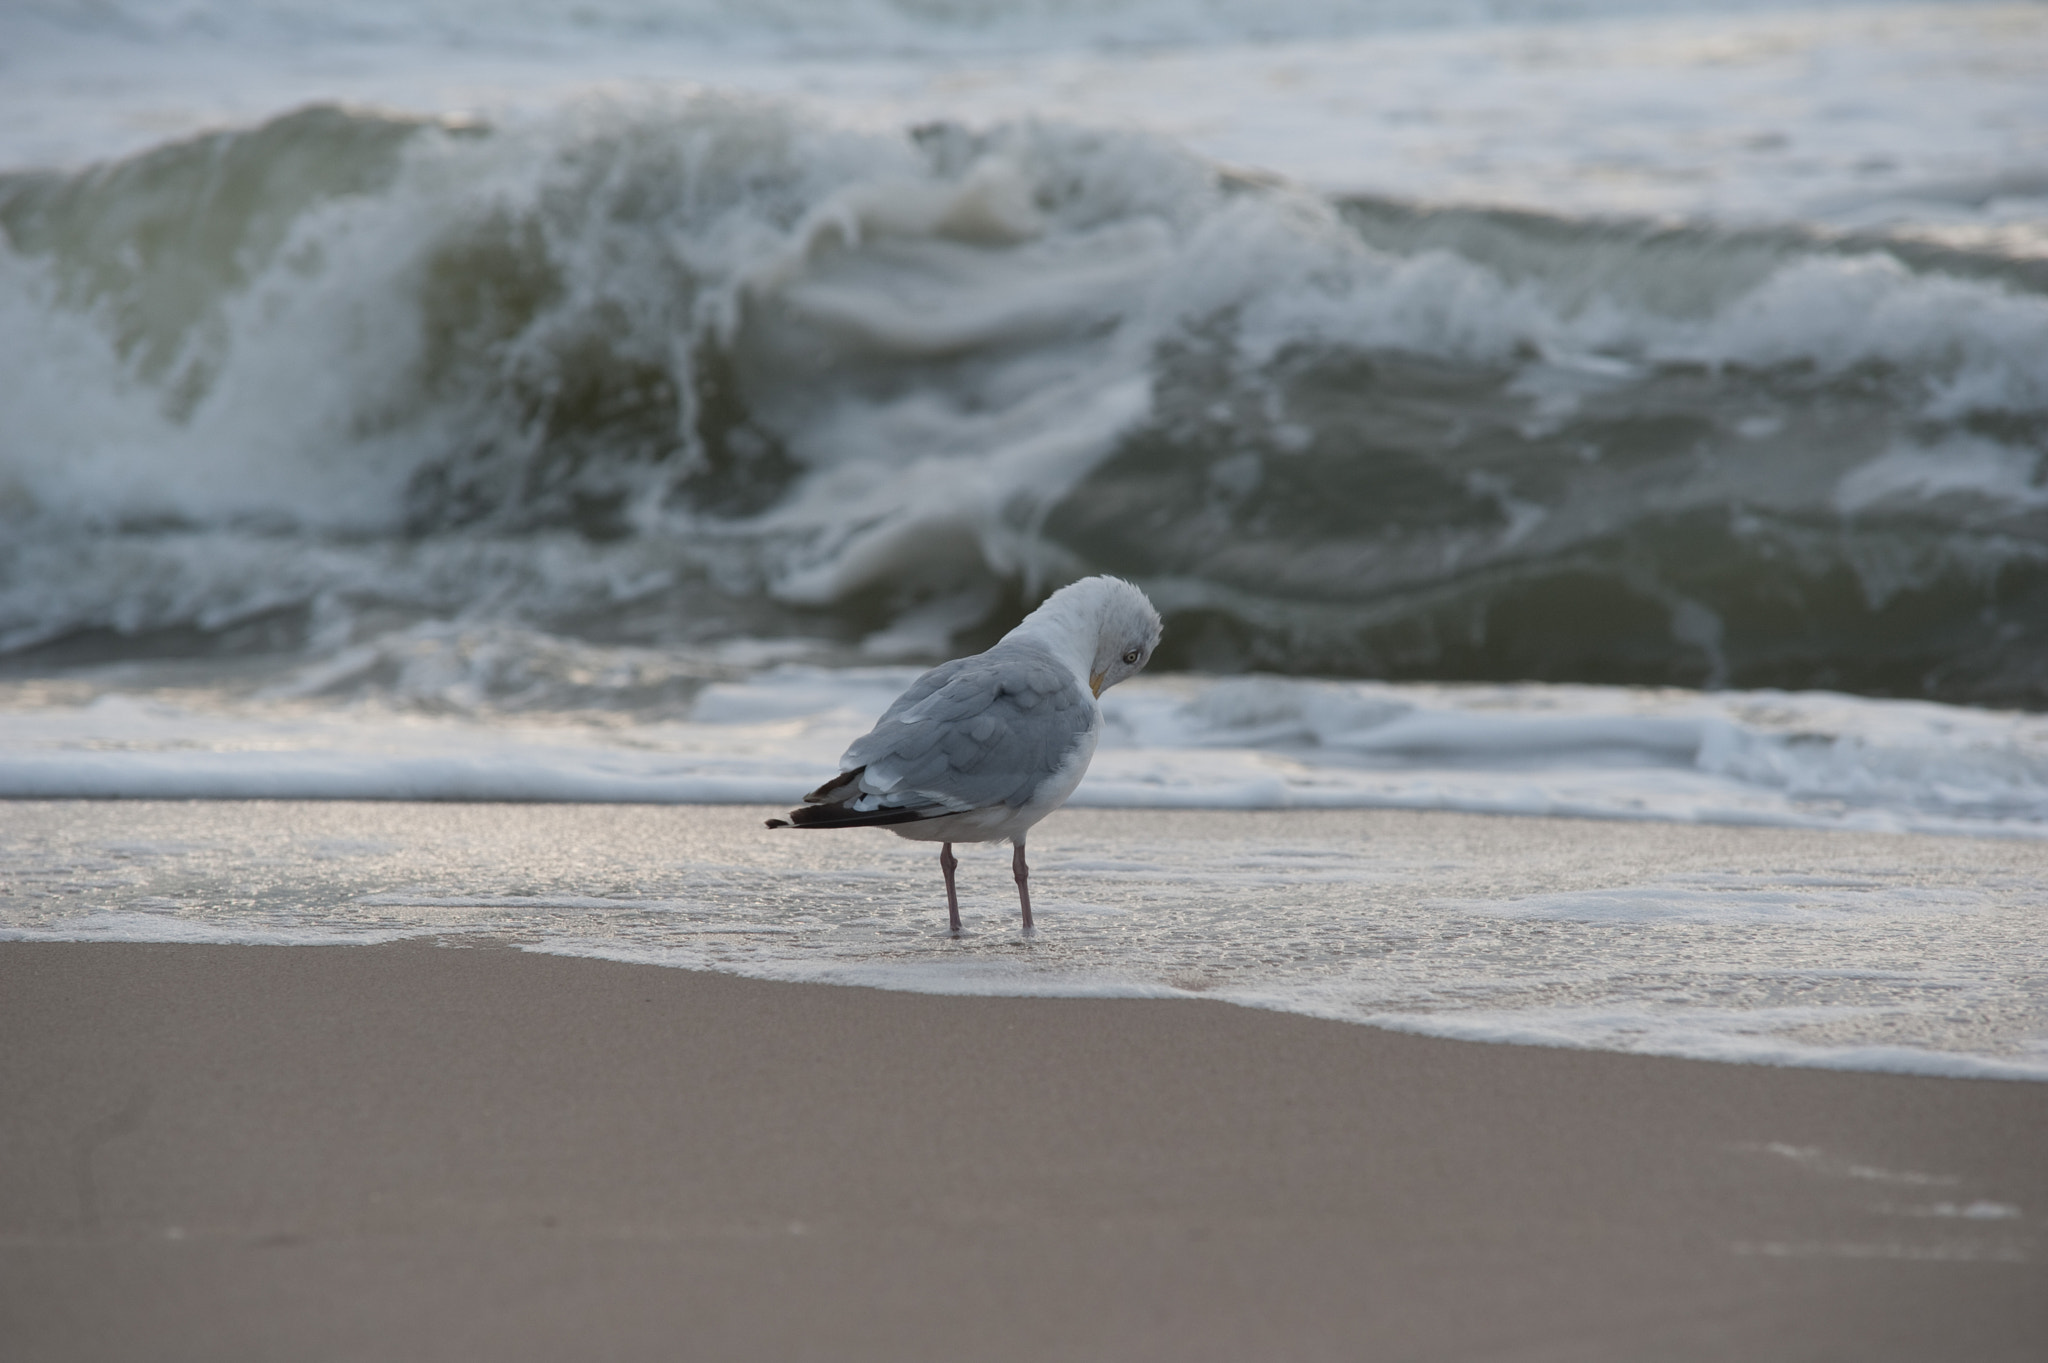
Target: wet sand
[{"x": 412, "y": 1151}]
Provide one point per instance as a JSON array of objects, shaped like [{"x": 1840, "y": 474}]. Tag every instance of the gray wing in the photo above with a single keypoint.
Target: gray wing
[{"x": 974, "y": 733}]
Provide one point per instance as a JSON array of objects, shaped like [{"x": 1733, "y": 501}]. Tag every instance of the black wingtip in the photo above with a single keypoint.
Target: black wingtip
[{"x": 839, "y": 816}]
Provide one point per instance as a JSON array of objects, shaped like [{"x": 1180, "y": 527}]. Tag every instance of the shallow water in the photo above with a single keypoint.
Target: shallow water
[{"x": 1894, "y": 952}]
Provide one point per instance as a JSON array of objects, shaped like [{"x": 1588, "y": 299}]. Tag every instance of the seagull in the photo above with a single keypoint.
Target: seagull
[{"x": 981, "y": 748}]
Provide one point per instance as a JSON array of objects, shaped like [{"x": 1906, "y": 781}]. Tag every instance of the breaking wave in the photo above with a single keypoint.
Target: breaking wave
[{"x": 700, "y": 371}]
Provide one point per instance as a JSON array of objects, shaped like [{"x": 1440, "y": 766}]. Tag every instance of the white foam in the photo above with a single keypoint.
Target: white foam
[
  {"x": 1809, "y": 760},
  {"x": 1980, "y": 1210},
  {"x": 1741, "y": 1037},
  {"x": 1730, "y": 898},
  {"x": 116, "y": 926},
  {"x": 1997, "y": 475},
  {"x": 1932, "y": 1254}
]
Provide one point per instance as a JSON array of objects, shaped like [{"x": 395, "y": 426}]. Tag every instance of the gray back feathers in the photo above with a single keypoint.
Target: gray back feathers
[{"x": 974, "y": 733}]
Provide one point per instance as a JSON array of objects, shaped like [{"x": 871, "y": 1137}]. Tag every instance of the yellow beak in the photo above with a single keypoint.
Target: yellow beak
[{"x": 1095, "y": 684}]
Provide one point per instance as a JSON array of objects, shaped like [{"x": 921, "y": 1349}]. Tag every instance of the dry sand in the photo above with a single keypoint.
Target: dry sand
[{"x": 419, "y": 1152}]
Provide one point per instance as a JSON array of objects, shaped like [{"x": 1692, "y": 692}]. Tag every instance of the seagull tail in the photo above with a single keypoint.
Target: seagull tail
[
  {"x": 839, "y": 816},
  {"x": 829, "y": 806}
]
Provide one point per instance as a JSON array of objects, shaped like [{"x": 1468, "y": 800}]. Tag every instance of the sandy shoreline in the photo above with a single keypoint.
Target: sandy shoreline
[{"x": 416, "y": 1151}]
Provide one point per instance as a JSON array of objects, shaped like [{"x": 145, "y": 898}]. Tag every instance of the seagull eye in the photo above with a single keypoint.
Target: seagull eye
[{"x": 1131, "y": 658}]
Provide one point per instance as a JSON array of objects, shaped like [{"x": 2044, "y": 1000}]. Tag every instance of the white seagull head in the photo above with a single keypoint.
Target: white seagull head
[{"x": 1103, "y": 628}]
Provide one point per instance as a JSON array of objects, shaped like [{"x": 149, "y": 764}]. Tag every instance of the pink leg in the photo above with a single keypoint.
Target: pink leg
[
  {"x": 947, "y": 861},
  {"x": 1023, "y": 874}
]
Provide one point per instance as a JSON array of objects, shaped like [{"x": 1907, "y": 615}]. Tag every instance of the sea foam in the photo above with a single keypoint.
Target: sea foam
[{"x": 1807, "y": 760}]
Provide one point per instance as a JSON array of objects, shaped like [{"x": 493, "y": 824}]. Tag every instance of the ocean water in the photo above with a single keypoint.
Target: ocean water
[{"x": 1612, "y": 408}]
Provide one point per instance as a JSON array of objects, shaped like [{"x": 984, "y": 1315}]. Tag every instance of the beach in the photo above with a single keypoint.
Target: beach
[
  {"x": 1567, "y": 886},
  {"x": 409, "y": 1149}
]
